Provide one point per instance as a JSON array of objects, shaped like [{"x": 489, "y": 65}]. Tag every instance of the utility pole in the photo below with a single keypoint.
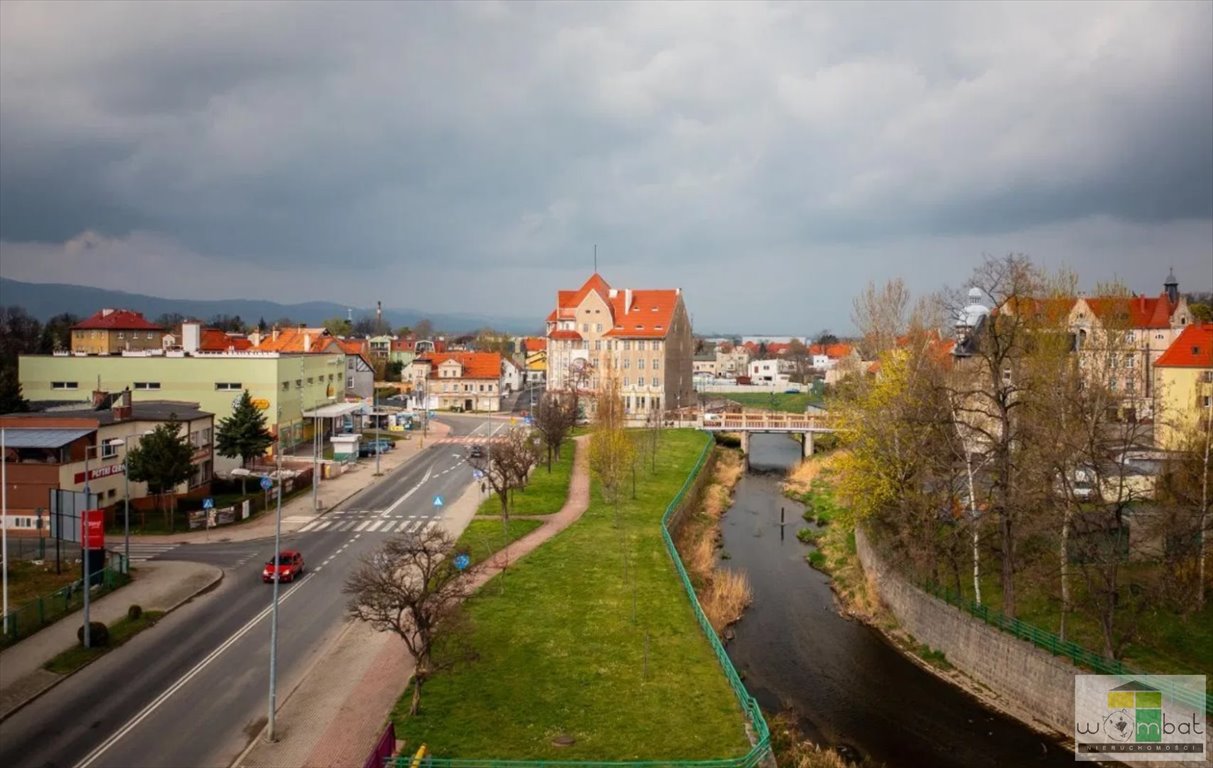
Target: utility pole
[
  {"x": 375, "y": 416},
  {"x": 126, "y": 503},
  {"x": 4, "y": 522},
  {"x": 88, "y": 576},
  {"x": 273, "y": 705}
]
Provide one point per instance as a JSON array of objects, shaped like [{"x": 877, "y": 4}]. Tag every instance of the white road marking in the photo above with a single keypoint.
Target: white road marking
[
  {"x": 361, "y": 526},
  {"x": 410, "y": 492},
  {"x": 375, "y": 526},
  {"x": 143, "y": 714}
]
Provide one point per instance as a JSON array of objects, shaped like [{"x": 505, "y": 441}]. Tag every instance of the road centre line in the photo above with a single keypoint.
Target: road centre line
[
  {"x": 163, "y": 697},
  {"x": 410, "y": 492}
]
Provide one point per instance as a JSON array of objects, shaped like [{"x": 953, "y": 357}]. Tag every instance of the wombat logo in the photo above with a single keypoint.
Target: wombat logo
[{"x": 1119, "y": 725}]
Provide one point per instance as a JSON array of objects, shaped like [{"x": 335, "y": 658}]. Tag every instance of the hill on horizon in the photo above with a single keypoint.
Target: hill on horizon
[{"x": 44, "y": 300}]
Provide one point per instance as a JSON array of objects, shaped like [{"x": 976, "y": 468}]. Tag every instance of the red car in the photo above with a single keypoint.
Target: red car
[{"x": 286, "y": 567}]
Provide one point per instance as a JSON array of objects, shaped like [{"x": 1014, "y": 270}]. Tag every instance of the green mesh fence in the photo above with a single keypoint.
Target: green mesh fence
[
  {"x": 761, "y": 733},
  {"x": 1050, "y": 642},
  {"x": 33, "y": 615}
]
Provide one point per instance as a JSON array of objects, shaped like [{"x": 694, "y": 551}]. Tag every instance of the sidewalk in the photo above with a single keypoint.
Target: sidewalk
[
  {"x": 333, "y": 718},
  {"x": 156, "y": 586},
  {"x": 298, "y": 511}
]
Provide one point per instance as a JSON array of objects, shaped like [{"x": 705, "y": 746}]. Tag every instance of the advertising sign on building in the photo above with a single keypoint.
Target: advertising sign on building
[{"x": 100, "y": 472}]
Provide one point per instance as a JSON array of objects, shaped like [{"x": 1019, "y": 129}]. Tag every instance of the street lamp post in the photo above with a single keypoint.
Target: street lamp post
[{"x": 273, "y": 704}]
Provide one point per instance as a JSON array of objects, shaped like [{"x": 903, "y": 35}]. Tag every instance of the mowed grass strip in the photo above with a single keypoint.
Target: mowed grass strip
[
  {"x": 559, "y": 651},
  {"x": 484, "y": 537},
  {"x": 546, "y": 492},
  {"x": 790, "y": 402}
]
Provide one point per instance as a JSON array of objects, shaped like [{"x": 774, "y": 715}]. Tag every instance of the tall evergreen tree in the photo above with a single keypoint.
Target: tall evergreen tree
[
  {"x": 11, "y": 400},
  {"x": 243, "y": 434},
  {"x": 162, "y": 459}
]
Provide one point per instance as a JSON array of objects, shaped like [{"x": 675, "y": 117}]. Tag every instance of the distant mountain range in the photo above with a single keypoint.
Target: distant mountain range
[{"x": 44, "y": 300}]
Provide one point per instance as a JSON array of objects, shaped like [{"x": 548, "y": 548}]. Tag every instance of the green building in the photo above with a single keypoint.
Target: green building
[{"x": 284, "y": 385}]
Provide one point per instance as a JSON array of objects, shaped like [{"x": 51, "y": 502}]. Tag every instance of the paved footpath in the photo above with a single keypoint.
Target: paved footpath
[
  {"x": 333, "y": 718},
  {"x": 155, "y": 587}
]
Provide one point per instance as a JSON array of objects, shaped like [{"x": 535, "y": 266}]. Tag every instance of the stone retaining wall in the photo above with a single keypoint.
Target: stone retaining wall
[{"x": 1035, "y": 683}]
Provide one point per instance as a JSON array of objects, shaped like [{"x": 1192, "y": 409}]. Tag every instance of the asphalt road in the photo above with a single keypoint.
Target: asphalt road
[{"x": 194, "y": 690}]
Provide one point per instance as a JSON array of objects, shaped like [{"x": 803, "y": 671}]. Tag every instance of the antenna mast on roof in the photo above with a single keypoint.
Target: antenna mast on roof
[{"x": 595, "y": 258}]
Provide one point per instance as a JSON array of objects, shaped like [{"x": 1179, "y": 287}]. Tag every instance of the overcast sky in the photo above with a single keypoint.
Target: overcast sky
[{"x": 767, "y": 159}]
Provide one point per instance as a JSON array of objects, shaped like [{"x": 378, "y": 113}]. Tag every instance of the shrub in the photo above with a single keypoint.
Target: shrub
[
  {"x": 99, "y": 634},
  {"x": 134, "y": 612}
]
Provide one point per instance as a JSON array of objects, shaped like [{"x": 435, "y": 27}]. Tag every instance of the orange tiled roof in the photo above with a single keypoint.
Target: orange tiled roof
[
  {"x": 1193, "y": 348},
  {"x": 532, "y": 344},
  {"x": 645, "y": 314},
  {"x": 1143, "y": 312},
  {"x": 292, "y": 340},
  {"x": 476, "y": 365},
  {"x": 116, "y": 320},
  {"x": 215, "y": 340},
  {"x": 832, "y": 351}
]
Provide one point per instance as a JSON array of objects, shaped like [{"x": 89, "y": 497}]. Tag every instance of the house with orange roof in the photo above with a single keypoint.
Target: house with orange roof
[
  {"x": 642, "y": 337},
  {"x": 359, "y": 371},
  {"x": 114, "y": 331},
  {"x": 1183, "y": 386},
  {"x": 458, "y": 380},
  {"x": 535, "y": 354}
]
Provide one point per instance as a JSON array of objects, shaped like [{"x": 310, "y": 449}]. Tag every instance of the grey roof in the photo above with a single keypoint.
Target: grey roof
[
  {"x": 145, "y": 410},
  {"x": 42, "y": 438}
]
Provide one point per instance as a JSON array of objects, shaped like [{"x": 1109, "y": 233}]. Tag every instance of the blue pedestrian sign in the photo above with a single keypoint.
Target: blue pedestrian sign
[
  {"x": 208, "y": 503},
  {"x": 476, "y": 473},
  {"x": 437, "y": 501},
  {"x": 266, "y": 483},
  {"x": 462, "y": 562}
]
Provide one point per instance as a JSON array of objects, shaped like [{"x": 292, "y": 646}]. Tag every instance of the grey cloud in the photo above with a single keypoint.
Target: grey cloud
[{"x": 473, "y": 139}]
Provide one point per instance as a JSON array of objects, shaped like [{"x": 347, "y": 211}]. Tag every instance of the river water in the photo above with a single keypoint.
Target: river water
[{"x": 847, "y": 685}]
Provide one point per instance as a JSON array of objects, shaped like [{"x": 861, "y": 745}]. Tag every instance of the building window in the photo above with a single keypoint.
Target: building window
[
  {"x": 585, "y": 327},
  {"x": 121, "y": 335},
  {"x": 640, "y": 345},
  {"x": 147, "y": 385},
  {"x": 626, "y": 345},
  {"x": 109, "y": 449},
  {"x": 311, "y": 380},
  {"x": 598, "y": 345},
  {"x": 640, "y": 364},
  {"x": 63, "y": 385},
  {"x": 657, "y": 344},
  {"x": 597, "y": 327},
  {"x": 298, "y": 383},
  {"x": 655, "y": 384},
  {"x": 229, "y": 385},
  {"x": 149, "y": 335},
  {"x": 286, "y": 385},
  {"x": 656, "y": 364}
]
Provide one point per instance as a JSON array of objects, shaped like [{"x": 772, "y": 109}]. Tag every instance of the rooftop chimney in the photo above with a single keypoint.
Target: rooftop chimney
[
  {"x": 307, "y": 342},
  {"x": 627, "y": 300},
  {"x": 99, "y": 397},
  {"x": 275, "y": 333},
  {"x": 191, "y": 336},
  {"x": 122, "y": 406},
  {"x": 106, "y": 312}
]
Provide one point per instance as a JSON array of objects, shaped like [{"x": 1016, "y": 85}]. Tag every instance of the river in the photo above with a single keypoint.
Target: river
[{"x": 847, "y": 685}]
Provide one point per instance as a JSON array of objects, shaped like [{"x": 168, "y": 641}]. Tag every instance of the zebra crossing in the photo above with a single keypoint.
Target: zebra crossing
[
  {"x": 467, "y": 440},
  {"x": 141, "y": 553},
  {"x": 369, "y": 522}
]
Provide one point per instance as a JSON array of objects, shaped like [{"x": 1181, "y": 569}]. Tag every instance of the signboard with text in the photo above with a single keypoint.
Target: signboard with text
[
  {"x": 92, "y": 526},
  {"x": 100, "y": 472}
]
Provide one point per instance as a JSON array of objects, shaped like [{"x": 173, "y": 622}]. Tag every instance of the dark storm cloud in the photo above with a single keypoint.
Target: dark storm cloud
[{"x": 478, "y": 139}]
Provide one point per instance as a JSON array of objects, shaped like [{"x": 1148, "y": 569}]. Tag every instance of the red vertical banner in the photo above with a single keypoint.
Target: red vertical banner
[{"x": 92, "y": 529}]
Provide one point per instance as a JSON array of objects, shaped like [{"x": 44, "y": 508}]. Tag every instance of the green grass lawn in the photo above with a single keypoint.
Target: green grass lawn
[
  {"x": 120, "y": 631},
  {"x": 560, "y": 653},
  {"x": 545, "y": 493},
  {"x": 484, "y": 537},
  {"x": 780, "y": 401},
  {"x": 27, "y": 581}
]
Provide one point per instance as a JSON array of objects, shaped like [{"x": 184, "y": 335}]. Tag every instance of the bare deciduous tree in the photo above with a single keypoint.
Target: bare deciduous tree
[
  {"x": 880, "y": 315},
  {"x": 411, "y": 587},
  {"x": 554, "y": 417}
]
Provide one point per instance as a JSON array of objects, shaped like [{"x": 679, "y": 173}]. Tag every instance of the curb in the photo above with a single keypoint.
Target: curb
[{"x": 61, "y": 678}]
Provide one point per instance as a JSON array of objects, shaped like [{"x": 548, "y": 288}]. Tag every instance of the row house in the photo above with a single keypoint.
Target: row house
[
  {"x": 71, "y": 449},
  {"x": 359, "y": 378},
  {"x": 459, "y": 381},
  {"x": 535, "y": 354},
  {"x": 641, "y": 337}
]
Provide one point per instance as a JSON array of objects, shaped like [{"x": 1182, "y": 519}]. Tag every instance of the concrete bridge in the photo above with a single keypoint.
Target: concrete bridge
[{"x": 751, "y": 422}]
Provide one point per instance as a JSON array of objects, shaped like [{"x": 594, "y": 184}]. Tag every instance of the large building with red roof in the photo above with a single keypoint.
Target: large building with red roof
[
  {"x": 1150, "y": 325},
  {"x": 114, "y": 331},
  {"x": 640, "y": 336},
  {"x": 1184, "y": 386}
]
